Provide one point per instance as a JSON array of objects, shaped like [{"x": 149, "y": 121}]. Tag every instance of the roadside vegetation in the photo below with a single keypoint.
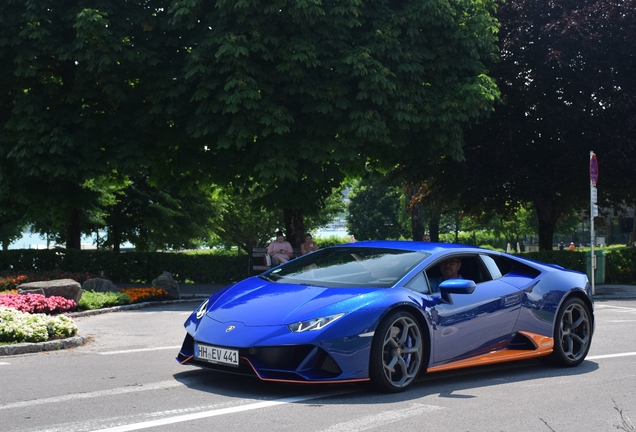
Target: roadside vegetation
[
  {"x": 36, "y": 318},
  {"x": 17, "y": 326}
]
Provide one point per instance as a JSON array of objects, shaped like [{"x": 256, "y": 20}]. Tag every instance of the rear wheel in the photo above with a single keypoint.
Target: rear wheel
[
  {"x": 396, "y": 352},
  {"x": 572, "y": 333}
]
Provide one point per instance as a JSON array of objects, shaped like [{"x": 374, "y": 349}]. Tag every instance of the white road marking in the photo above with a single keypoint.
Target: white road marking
[
  {"x": 382, "y": 419},
  {"x": 140, "y": 350},
  {"x": 116, "y": 391},
  {"x": 219, "y": 412},
  {"x": 627, "y": 309},
  {"x": 596, "y": 357},
  {"x": 4, "y": 363}
]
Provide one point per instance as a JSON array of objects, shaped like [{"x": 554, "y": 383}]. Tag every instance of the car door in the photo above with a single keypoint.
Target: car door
[{"x": 476, "y": 323}]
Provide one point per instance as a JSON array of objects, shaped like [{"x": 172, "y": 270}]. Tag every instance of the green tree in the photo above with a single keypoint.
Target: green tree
[
  {"x": 374, "y": 210},
  {"x": 11, "y": 224},
  {"x": 154, "y": 218},
  {"x": 78, "y": 89},
  {"x": 243, "y": 223},
  {"x": 294, "y": 95},
  {"x": 566, "y": 75},
  {"x": 285, "y": 96}
]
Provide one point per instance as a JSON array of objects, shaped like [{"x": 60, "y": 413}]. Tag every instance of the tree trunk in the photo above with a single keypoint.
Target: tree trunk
[
  {"x": 417, "y": 220},
  {"x": 457, "y": 227},
  {"x": 632, "y": 237},
  {"x": 294, "y": 226},
  {"x": 546, "y": 232},
  {"x": 73, "y": 230},
  {"x": 115, "y": 235},
  {"x": 433, "y": 227},
  {"x": 547, "y": 222}
]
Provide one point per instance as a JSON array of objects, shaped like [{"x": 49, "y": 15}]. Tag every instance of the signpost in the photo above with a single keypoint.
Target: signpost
[{"x": 593, "y": 212}]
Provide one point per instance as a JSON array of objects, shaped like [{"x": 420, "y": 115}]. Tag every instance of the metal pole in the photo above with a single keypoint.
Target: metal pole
[{"x": 592, "y": 256}]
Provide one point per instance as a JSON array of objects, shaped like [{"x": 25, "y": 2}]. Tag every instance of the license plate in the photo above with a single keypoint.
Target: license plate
[{"x": 217, "y": 355}]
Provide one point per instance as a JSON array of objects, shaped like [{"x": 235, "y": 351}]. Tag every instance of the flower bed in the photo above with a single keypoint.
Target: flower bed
[
  {"x": 17, "y": 326},
  {"x": 145, "y": 294},
  {"x": 28, "y": 317},
  {"x": 37, "y": 303}
]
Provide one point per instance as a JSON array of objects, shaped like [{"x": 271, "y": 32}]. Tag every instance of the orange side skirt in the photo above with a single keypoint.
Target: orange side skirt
[{"x": 543, "y": 344}]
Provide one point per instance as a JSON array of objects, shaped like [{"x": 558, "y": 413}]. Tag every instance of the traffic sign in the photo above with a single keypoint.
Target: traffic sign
[{"x": 593, "y": 169}]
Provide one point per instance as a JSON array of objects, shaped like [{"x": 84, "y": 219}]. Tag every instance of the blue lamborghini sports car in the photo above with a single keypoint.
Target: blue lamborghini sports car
[{"x": 382, "y": 311}]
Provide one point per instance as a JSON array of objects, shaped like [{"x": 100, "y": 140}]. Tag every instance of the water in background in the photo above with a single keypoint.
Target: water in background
[
  {"x": 325, "y": 233},
  {"x": 31, "y": 240}
]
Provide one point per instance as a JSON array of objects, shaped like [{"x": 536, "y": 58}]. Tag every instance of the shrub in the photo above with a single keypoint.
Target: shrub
[
  {"x": 97, "y": 300},
  {"x": 17, "y": 326},
  {"x": 620, "y": 266},
  {"x": 331, "y": 241},
  {"x": 132, "y": 267}
]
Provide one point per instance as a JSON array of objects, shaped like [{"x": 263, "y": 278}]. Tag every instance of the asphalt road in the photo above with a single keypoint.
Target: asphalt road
[{"x": 125, "y": 379}]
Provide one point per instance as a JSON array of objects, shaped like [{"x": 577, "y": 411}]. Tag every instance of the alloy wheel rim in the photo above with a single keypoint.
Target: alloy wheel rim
[
  {"x": 402, "y": 352},
  {"x": 575, "y": 332}
]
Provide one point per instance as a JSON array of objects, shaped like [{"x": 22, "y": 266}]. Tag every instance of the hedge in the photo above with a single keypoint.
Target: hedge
[
  {"x": 620, "y": 264},
  {"x": 206, "y": 267},
  {"x": 129, "y": 267}
]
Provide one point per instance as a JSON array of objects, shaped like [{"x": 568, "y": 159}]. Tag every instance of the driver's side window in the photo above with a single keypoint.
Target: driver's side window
[{"x": 469, "y": 268}]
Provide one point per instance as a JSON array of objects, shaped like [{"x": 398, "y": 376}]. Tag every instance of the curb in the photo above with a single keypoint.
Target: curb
[
  {"x": 78, "y": 340},
  {"x": 35, "y": 347},
  {"x": 195, "y": 297}
]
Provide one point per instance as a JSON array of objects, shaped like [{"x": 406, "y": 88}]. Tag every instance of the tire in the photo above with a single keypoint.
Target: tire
[
  {"x": 396, "y": 352},
  {"x": 572, "y": 333}
]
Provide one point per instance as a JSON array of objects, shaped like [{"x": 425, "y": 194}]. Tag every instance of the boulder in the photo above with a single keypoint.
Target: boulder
[
  {"x": 99, "y": 285},
  {"x": 166, "y": 282},
  {"x": 67, "y": 288}
]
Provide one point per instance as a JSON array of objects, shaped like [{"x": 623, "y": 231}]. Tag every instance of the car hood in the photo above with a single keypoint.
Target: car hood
[{"x": 257, "y": 302}]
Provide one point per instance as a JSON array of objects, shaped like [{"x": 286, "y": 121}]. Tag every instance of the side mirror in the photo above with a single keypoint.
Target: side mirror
[{"x": 456, "y": 286}]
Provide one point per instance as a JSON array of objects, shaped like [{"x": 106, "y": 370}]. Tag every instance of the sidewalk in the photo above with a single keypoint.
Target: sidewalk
[{"x": 609, "y": 292}]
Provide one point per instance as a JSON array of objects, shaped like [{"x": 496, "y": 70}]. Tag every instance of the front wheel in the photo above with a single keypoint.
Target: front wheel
[
  {"x": 572, "y": 333},
  {"x": 396, "y": 352}
]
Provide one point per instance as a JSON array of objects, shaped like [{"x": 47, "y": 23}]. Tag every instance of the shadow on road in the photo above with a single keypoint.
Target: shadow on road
[{"x": 455, "y": 384}]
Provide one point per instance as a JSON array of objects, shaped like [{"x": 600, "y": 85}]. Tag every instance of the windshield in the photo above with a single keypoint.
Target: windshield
[{"x": 348, "y": 267}]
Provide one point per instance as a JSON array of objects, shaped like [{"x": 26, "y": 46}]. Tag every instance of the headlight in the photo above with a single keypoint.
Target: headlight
[
  {"x": 313, "y": 324},
  {"x": 202, "y": 309}
]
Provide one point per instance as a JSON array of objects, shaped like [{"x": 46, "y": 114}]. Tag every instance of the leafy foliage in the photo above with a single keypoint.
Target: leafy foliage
[
  {"x": 620, "y": 266},
  {"x": 291, "y": 96},
  {"x": 243, "y": 222},
  {"x": 134, "y": 267},
  {"x": 97, "y": 300},
  {"x": 374, "y": 210},
  {"x": 567, "y": 88},
  {"x": 283, "y": 97}
]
